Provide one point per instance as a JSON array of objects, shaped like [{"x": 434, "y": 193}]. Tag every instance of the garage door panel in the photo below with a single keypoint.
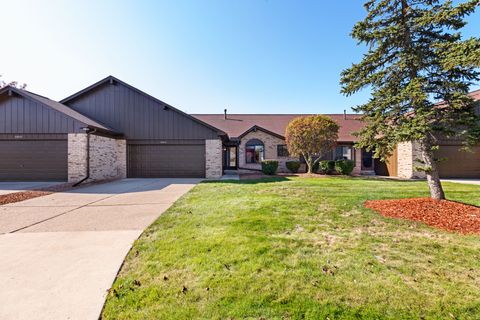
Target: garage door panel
[
  {"x": 158, "y": 161},
  {"x": 458, "y": 164},
  {"x": 34, "y": 160}
]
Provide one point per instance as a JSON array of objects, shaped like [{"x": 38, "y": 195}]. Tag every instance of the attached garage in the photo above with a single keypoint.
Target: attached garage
[
  {"x": 458, "y": 164},
  {"x": 162, "y": 141},
  {"x": 34, "y": 160},
  {"x": 34, "y": 134},
  {"x": 165, "y": 160}
]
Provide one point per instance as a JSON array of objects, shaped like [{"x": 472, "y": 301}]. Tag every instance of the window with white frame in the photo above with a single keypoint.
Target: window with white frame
[{"x": 254, "y": 151}]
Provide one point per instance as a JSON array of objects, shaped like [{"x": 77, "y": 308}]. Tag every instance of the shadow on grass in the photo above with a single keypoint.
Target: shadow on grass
[
  {"x": 377, "y": 178},
  {"x": 249, "y": 181}
]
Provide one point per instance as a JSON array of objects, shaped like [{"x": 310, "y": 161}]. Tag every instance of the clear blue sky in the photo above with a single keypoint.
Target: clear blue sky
[{"x": 252, "y": 56}]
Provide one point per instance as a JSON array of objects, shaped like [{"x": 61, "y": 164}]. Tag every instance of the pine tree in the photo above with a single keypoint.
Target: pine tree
[{"x": 416, "y": 56}]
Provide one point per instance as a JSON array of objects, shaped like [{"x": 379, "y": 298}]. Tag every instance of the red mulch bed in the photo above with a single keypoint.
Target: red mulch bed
[
  {"x": 30, "y": 194},
  {"x": 442, "y": 214},
  {"x": 21, "y": 196}
]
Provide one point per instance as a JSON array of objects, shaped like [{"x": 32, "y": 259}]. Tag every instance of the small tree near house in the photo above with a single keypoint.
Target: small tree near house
[
  {"x": 14, "y": 84},
  {"x": 311, "y": 137},
  {"x": 415, "y": 56}
]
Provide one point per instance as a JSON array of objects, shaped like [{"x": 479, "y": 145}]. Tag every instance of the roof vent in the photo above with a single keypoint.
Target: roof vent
[
  {"x": 345, "y": 114},
  {"x": 225, "y": 113}
]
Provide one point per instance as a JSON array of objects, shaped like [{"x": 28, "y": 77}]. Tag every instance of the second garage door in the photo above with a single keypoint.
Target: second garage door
[
  {"x": 458, "y": 164},
  {"x": 166, "y": 161},
  {"x": 33, "y": 160}
]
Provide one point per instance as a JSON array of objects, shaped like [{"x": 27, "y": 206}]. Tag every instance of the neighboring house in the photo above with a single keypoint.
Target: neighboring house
[
  {"x": 113, "y": 130},
  {"x": 455, "y": 163},
  {"x": 129, "y": 133}
]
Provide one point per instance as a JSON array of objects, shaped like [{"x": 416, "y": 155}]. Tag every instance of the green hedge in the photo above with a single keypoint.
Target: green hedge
[
  {"x": 327, "y": 166},
  {"x": 293, "y": 166},
  {"x": 316, "y": 166},
  {"x": 269, "y": 166},
  {"x": 344, "y": 167}
]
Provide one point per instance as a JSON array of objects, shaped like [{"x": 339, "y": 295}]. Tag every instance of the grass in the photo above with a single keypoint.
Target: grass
[{"x": 298, "y": 248}]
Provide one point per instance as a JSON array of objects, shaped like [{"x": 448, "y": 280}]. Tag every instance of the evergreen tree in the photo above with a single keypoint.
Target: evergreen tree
[{"x": 416, "y": 56}]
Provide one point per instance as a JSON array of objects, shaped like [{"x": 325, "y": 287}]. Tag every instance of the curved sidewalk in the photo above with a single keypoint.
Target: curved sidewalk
[{"x": 60, "y": 253}]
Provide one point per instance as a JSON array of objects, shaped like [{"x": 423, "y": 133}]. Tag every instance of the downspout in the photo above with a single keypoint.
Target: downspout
[{"x": 89, "y": 131}]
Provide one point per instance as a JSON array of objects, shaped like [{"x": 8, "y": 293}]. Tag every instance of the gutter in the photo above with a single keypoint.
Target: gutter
[{"x": 89, "y": 131}]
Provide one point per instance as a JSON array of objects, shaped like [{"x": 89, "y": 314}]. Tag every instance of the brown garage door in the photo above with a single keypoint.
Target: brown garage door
[
  {"x": 458, "y": 164},
  {"x": 165, "y": 161},
  {"x": 38, "y": 160}
]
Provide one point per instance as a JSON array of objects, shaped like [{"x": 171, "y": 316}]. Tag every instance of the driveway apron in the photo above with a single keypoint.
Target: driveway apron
[{"x": 59, "y": 254}]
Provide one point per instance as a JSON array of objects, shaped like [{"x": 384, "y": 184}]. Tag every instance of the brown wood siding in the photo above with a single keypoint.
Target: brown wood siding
[
  {"x": 165, "y": 161},
  {"x": 33, "y": 160},
  {"x": 389, "y": 168},
  {"x": 458, "y": 164},
  {"x": 21, "y": 115},
  {"x": 136, "y": 115}
]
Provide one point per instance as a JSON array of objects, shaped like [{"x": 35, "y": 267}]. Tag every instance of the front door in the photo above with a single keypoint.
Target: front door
[
  {"x": 367, "y": 160},
  {"x": 230, "y": 158}
]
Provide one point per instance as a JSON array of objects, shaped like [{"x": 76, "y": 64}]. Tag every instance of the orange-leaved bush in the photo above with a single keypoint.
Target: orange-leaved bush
[{"x": 311, "y": 137}]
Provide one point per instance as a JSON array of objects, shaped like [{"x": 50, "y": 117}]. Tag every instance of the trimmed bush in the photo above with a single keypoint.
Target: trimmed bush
[
  {"x": 344, "y": 167},
  {"x": 316, "y": 166},
  {"x": 269, "y": 166},
  {"x": 327, "y": 166},
  {"x": 293, "y": 166}
]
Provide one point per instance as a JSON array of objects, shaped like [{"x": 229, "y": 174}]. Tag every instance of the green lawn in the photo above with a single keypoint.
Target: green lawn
[{"x": 298, "y": 248}]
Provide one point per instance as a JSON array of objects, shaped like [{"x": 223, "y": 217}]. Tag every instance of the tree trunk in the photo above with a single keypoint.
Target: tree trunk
[
  {"x": 433, "y": 177},
  {"x": 309, "y": 161},
  {"x": 310, "y": 166}
]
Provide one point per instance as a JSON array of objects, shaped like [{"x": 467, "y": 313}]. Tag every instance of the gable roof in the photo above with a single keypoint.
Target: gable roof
[
  {"x": 112, "y": 79},
  {"x": 59, "y": 107},
  {"x": 237, "y": 125}
]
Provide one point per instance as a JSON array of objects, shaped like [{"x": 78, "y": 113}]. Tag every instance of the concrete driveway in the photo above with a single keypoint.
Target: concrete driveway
[
  {"x": 464, "y": 181},
  {"x": 12, "y": 187},
  {"x": 59, "y": 254}
]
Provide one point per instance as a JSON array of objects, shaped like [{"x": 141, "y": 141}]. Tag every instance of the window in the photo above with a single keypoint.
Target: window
[
  {"x": 254, "y": 151},
  {"x": 343, "y": 153},
  {"x": 282, "y": 150}
]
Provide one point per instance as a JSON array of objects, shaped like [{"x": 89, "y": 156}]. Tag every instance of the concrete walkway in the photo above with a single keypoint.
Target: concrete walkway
[{"x": 59, "y": 254}]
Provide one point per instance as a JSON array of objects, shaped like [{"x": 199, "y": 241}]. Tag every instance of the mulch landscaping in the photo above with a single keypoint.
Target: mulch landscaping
[
  {"x": 30, "y": 194},
  {"x": 442, "y": 214}
]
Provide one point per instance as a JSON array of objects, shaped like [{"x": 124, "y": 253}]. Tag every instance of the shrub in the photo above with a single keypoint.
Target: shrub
[
  {"x": 315, "y": 167},
  {"x": 344, "y": 166},
  {"x": 269, "y": 166},
  {"x": 293, "y": 166},
  {"x": 327, "y": 166}
]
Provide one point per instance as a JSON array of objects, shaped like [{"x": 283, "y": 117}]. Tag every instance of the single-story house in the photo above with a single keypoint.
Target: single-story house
[
  {"x": 114, "y": 130},
  {"x": 255, "y": 137}
]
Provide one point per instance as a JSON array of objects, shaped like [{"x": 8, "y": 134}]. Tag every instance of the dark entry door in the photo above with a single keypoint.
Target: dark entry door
[
  {"x": 230, "y": 158},
  {"x": 367, "y": 160}
]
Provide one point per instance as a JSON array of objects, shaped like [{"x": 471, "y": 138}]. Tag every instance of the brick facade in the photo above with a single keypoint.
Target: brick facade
[
  {"x": 108, "y": 157},
  {"x": 270, "y": 146},
  {"x": 213, "y": 159},
  {"x": 408, "y": 156},
  {"x": 358, "y": 161}
]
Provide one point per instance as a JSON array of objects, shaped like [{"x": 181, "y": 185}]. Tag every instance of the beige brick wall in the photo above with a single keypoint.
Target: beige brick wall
[
  {"x": 408, "y": 156},
  {"x": 358, "y": 161},
  {"x": 270, "y": 142},
  {"x": 213, "y": 159},
  {"x": 107, "y": 157},
  {"x": 77, "y": 156}
]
